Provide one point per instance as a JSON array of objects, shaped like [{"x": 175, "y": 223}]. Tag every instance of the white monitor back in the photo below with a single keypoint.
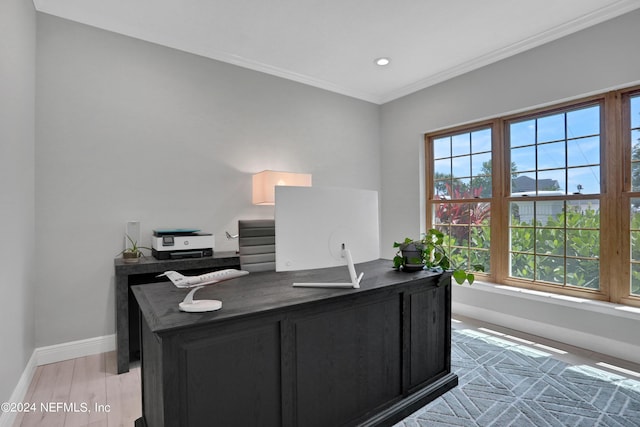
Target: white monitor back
[{"x": 312, "y": 223}]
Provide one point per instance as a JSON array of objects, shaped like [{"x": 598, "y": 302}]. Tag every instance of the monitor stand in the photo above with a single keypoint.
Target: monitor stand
[
  {"x": 198, "y": 306},
  {"x": 355, "y": 279}
]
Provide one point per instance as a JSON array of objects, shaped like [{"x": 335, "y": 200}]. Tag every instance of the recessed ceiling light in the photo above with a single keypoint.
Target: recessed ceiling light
[{"x": 382, "y": 61}]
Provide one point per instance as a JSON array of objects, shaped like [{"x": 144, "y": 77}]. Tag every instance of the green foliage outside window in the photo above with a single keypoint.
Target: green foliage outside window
[
  {"x": 564, "y": 249},
  {"x": 469, "y": 253},
  {"x": 467, "y": 233},
  {"x": 635, "y": 247}
]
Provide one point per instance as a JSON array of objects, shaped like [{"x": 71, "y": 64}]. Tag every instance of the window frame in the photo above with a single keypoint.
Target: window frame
[
  {"x": 615, "y": 195},
  {"x": 602, "y": 292},
  {"x": 429, "y": 158},
  {"x": 624, "y": 296}
]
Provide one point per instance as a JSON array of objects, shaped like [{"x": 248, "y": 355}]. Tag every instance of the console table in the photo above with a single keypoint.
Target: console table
[
  {"x": 275, "y": 355},
  {"x": 145, "y": 271}
]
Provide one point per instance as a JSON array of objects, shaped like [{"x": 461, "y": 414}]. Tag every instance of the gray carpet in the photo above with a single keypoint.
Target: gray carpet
[{"x": 504, "y": 383}]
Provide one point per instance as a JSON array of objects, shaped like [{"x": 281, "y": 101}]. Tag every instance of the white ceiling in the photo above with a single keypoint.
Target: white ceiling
[{"x": 332, "y": 44}]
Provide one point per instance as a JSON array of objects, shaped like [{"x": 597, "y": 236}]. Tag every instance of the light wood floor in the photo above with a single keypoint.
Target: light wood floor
[
  {"x": 92, "y": 381},
  {"x": 93, "y": 393}
]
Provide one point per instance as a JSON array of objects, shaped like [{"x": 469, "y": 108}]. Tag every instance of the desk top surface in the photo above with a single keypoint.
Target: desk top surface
[{"x": 261, "y": 293}]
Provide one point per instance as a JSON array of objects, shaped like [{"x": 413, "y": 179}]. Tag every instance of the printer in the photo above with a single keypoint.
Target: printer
[{"x": 179, "y": 243}]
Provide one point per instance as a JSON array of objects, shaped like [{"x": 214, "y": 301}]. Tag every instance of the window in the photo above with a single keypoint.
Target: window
[
  {"x": 554, "y": 231},
  {"x": 537, "y": 197},
  {"x": 633, "y": 132},
  {"x": 461, "y": 195}
]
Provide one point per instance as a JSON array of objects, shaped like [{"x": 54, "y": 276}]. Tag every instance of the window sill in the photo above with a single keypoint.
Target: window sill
[{"x": 608, "y": 308}]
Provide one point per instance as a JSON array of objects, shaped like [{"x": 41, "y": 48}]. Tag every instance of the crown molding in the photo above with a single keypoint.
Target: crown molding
[
  {"x": 203, "y": 50},
  {"x": 288, "y": 75},
  {"x": 581, "y": 23},
  {"x": 598, "y": 16}
]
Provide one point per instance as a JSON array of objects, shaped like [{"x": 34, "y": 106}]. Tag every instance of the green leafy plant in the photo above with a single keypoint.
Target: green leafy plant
[
  {"x": 433, "y": 255},
  {"x": 133, "y": 251}
]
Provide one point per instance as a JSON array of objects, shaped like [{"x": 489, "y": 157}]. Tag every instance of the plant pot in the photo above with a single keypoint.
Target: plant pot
[
  {"x": 131, "y": 257},
  {"x": 412, "y": 255}
]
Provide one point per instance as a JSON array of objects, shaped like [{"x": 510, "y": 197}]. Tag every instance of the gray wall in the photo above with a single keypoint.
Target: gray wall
[
  {"x": 17, "y": 83},
  {"x": 593, "y": 60},
  {"x": 130, "y": 130}
]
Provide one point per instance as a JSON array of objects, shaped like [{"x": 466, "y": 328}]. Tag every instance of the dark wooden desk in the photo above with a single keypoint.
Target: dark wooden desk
[
  {"x": 145, "y": 271},
  {"x": 275, "y": 355}
]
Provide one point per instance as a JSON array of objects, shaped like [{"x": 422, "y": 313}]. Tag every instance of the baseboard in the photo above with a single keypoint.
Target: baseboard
[
  {"x": 7, "y": 418},
  {"x": 74, "y": 349},
  {"x": 52, "y": 354},
  {"x": 595, "y": 343}
]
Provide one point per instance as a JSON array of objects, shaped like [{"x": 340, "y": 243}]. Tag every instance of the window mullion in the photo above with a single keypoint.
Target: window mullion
[
  {"x": 614, "y": 241},
  {"x": 500, "y": 203}
]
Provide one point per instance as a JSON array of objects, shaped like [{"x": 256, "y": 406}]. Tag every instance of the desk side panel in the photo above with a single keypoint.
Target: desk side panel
[
  {"x": 348, "y": 362},
  {"x": 152, "y": 378},
  {"x": 230, "y": 376},
  {"x": 430, "y": 337}
]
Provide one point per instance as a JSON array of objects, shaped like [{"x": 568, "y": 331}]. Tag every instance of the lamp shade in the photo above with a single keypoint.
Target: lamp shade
[{"x": 264, "y": 184}]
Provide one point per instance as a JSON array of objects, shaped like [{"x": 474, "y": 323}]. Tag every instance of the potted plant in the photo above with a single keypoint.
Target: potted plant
[
  {"x": 133, "y": 253},
  {"x": 410, "y": 255},
  {"x": 429, "y": 253}
]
